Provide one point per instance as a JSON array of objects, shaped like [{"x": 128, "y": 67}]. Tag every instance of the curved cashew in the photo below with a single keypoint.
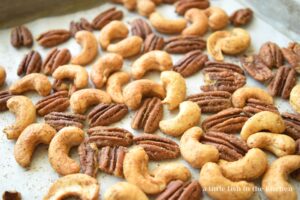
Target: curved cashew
[
  {"x": 33, "y": 135},
  {"x": 278, "y": 144},
  {"x": 153, "y": 60},
  {"x": 59, "y": 149},
  {"x": 114, "y": 85},
  {"x": 89, "y": 51},
  {"x": 188, "y": 116},
  {"x": 124, "y": 191},
  {"x": 127, "y": 47},
  {"x": 79, "y": 185},
  {"x": 199, "y": 22},
  {"x": 82, "y": 99},
  {"x": 295, "y": 98},
  {"x": 35, "y": 81},
  {"x": 217, "y": 18},
  {"x": 145, "y": 7},
  {"x": 25, "y": 113},
  {"x": 2, "y": 76}
]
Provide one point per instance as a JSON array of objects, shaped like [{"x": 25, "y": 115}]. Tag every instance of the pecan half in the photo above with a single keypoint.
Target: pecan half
[
  {"x": 153, "y": 42},
  {"x": 254, "y": 106},
  {"x": 53, "y": 37},
  {"x": 54, "y": 59},
  {"x": 148, "y": 116},
  {"x": 31, "y": 63},
  {"x": 56, "y": 102},
  {"x": 59, "y": 120},
  {"x": 292, "y": 123},
  {"x": 88, "y": 156},
  {"x": 292, "y": 55},
  {"x": 157, "y": 148},
  {"x": 183, "y": 5},
  {"x": 11, "y": 195},
  {"x": 230, "y": 120},
  {"x": 184, "y": 44},
  {"x": 105, "y": 114},
  {"x": 21, "y": 36},
  {"x": 105, "y": 17},
  {"x": 271, "y": 55},
  {"x": 212, "y": 102},
  {"x": 4, "y": 96},
  {"x": 83, "y": 24},
  {"x": 241, "y": 17},
  {"x": 141, "y": 28}
]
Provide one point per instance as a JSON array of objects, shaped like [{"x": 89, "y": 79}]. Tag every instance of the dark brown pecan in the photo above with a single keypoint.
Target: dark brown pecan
[
  {"x": 191, "y": 63},
  {"x": 4, "y": 96},
  {"x": 140, "y": 28},
  {"x": 157, "y": 148},
  {"x": 57, "y": 102},
  {"x": 83, "y": 24},
  {"x": 241, "y": 17},
  {"x": 212, "y": 102},
  {"x": 148, "y": 116},
  {"x": 183, "y": 5},
  {"x": 292, "y": 123},
  {"x": 11, "y": 195},
  {"x": 54, "y": 59},
  {"x": 59, "y": 120},
  {"x": 231, "y": 148},
  {"x": 283, "y": 82},
  {"x": 292, "y": 55},
  {"x": 184, "y": 44},
  {"x": 230, "y": 120},
  {"x": 180, "y": 190},
  {"x": 105, "y": 114},
  {"x": 105, "y": 17},
  {"x": 21, "y": 36},
  {"x": 31, "y": 63},
  {"x": 153, "y": 42},
  {"x": 254, "y": 106},
  {"x": 88, "y": 155},
  {"x": 271, "y": 55},
  {"x": 53, "y": 37}
]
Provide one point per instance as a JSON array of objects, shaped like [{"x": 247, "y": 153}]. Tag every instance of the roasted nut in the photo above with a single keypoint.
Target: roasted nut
[
  {"x": 64, "y": 85},
  {"x": 292, "y": 123},
  {"x": 145, "y": 7},
  {"x": 199, "y": 22},
  {"x": 294, "y": 98},
  {"x": 184, "y": 44},
  {"x": 88, "y": 156},
  {"x": 271, "y": 55},
  {"x": 4, "y": 97},
  {"x": 11, "y": 195},
  {"x": 254, "y": 106},
  {"x": 106, "y": 17},
  {"x": 54, "y": 59},
  {"x": 124, "y": 191},
  {"x": 114, "y": 85},
  {"x": 153, "y": 42},
  {"x": 127, "y": 47},
  {"x": 21, "y": 36},
  {"x": 241, "y": 17},
  {"x": 141, "y": 28},
  {"x": 82, "y": 25},
  {"x": 59, "y": 120},
  {"x": 53, "y": 37},
  {"x": 217, "y": 18},
  {"x": 183, "y": 5},
  {"x": 292, "y": 55},
  {"x": 129, "y": 4},
  {"x": 2, "y": 76},
  {"x": 31, "y": 63}
]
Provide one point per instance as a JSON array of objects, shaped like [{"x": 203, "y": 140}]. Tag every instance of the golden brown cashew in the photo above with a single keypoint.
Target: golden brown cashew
[
  {"x": 79, "y": 185},
  {"x": 104, "y": 66},
  {"x": 129, "y": 4},
  {"x": 25, "y": 113},
  {"x": 145, "y": 7},
  {"x": 82, "y": 99},
  {"x": 153, "y": 60},
  {"x": 127, "y": 47},
  {"x": 199, "y": 22},
  {"x": 59, "y": 149},
  {"x": 33, "y": 135},
  {"x": 114, "y": 85},
  {"x": 34, "y": 81},
  {"x": 2, "y": 75},
  {"x": 275, "y": 181},
  {"x": 217, "y": 18},
  {"x": 295, "y": 98},
  {"x": 124, "y": 191},
  {"x": 89, "y": 51}
]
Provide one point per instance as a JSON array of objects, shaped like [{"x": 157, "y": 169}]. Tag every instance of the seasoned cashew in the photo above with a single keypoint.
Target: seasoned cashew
[
  {"x": 31, "y": 136},
  {"x": 220, "y": 188},
  {"x": 104, "y": 66},
  {"x": 82, "y": 186},
  {"x": 217, "y": 18},
  {"x": 241, "y": 95},
  {"x": 25, "y": 113},
  {"x": 136, "y": 90},
  {"x": 264, "y": 120},
  {"x": 175, "y": 87},
  {"x": 114, "y": 85},
  {"x": 188, "y": 116},
  {"x": 145, "y": 7},
  {"x": 127, "y": 47},
  {"x": 164, "y": 25},
  {"x": 199, "y": 22},
  {"x": 194, "y": 152},
  {"x": 82, "y": 99},
  {"x": 295, "y": 98},
  {"x": 153, "y": 60},
  {"x": 250, "y": 167},
  {"x": 89, "y": 51},
  {"x": 124, "y": 191},
  {"x": 278, "y": 144},
  {"x": 2, "y": 75},
  {"x": 34, "y": 81},
  {"x": 275, "y": 181}
]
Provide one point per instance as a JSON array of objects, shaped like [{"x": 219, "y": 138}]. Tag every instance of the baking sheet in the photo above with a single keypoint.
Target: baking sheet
[{"x": 34, "y": 182}]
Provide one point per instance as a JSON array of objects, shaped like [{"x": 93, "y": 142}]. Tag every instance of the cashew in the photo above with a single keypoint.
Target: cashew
[
  {"x": 220, "y": 188},
  {"x": 153, "y": 60},
  {"x": 145, "y": 7},
  {"x": 278, "y": 144},
  {"x": 275, "y": 181},
  {"x": 2, "y": 76},
  {"x": 124, "y": 191},
  {"x": 136, "y": 90},
  {"x": 175, "y": 87},
  {"x": 264, "y": 120},
  {"x": 199, "y": 22},
  {"x": 82, "y": 186},
  {"x": 217, "y": 18},
  {"x": 129, "y": 4},
  {"x": 31, "y": 136},
  {"x": 34, "y": 81},
  {"x": 104, "y": 66},
  {"x": 295, "y": 98},
  {"x": 113, "y": 30},
  {"x": 194, "y": 152},
  {"x": 188, "y": 116},
  {"x": 127, "y": 47},
  {"x": 241, "y": 95},
  {"x": 114, "y": 85},
  {"x": 25, "y": 113},
  {"x": 89, "y": 51},
  {"x": 165, "y": 25},
  {"x": 250, "y": 167},
  {"x": 76, "y": 72},
  {"x": 82, "y": 99}
]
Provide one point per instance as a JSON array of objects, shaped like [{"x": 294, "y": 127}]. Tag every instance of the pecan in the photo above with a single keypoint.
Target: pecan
[
  {"x": 88, "y": 156},
  {"x": 230, "y": 120},
  {"x": 83, "y": 24},
  {"x": 241, "y": 17},
  {"x": 191, "y": 63},
  {"x": 283, "y": 82},
  {"x": 105, "y": 114},
  {"x": 21, "y": 36},
  {"x": 184, "y": 44},
  {"x": 141, "y": 28},
  {"x": 148, "y": 116},
  {"x": 271, "y": 55},
  {"x": 56, "y": 102},
  {"x": 292, "y": 55},
  {"x": 11, "y": 195},
  {"x": 157, "y": 148},
  {"x": 292, "y": 123},
  {"x": 53, "y": 37},
  {"x": 59, "y": 120},
  {"x": 105, "y": 17},
  {"x": 31, "y": 63},
  {"x": 212, "y": 101},
  {"x": 54, "y": 59},
  {"x": 4, "y": 96},
  {"x": 183, "y": 5},
  {"x": 153, "y": 42},
  {"x": 254, "y": 106}
]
